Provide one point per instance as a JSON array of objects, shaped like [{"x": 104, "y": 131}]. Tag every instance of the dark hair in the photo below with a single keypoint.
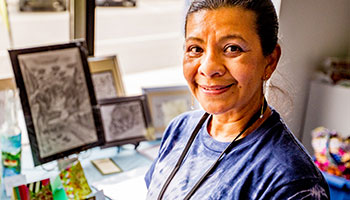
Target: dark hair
[{"x": 266, "y": 17}]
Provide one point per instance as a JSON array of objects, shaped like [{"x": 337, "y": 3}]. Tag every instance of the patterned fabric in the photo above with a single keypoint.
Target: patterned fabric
[{"x": 269, "y": 163}]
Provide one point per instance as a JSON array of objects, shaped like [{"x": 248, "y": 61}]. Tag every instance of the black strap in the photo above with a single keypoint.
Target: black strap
[
  {"x": 184, "y": 152},
  {"x": 254, "y": 118}
]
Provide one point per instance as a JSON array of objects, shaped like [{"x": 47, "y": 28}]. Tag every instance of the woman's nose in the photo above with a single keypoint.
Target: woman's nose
[{"x": 211, "y": 66}]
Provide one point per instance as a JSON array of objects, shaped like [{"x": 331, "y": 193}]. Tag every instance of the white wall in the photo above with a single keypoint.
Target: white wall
[
  {"x": 310, "y": 30},
  {"x": 328, "y": 106}
]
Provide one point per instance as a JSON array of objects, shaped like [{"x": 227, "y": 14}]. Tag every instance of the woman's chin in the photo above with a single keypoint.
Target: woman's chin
[{"x": 214, "y": 109}]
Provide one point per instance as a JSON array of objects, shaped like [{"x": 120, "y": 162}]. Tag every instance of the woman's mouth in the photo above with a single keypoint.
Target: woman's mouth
[{"x": 214, "y": 89}]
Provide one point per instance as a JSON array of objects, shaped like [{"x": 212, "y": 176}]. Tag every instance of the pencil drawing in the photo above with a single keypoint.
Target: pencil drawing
[
  {"x": 104, "y": 85},
  {"x": 59, "y": 100},
  {"x": 123, "y": 120}
]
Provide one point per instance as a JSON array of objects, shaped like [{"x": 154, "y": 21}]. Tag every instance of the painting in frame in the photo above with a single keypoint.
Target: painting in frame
[
  {"x": 126, "y": 120},
  {"x": 106, "y": 77},
  {"x": 165, "y": 103},
  {"x": 58, "y": 100}
]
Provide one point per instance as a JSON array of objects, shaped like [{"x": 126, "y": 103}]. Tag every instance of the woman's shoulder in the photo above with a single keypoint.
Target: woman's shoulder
[
  {"x": 286, "y": 161},
  {"x": 288, "y": 153}
]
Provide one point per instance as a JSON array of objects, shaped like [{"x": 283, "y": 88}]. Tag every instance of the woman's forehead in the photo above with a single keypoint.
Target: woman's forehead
[{"x": 226, "y": 19}]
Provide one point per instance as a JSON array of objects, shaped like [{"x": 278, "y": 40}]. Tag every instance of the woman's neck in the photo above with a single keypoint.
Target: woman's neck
[{"x": 225, "y": 127}]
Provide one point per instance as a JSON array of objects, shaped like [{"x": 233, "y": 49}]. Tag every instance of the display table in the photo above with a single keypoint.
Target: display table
[{"x": 134, "y": 164}]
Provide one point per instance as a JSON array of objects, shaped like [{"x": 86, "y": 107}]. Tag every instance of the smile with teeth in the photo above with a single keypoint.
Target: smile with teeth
[{"x": 215, "y": 89}]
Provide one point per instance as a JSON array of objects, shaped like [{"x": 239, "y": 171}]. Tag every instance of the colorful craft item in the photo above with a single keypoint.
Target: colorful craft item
[
  {"x": 58, "y": 190},
  {"x": 332, "y": 152},
  {"x": 11, "y": 154},
  {"x": 40, "y": 190},
  {"x": 74, "y": 181}
]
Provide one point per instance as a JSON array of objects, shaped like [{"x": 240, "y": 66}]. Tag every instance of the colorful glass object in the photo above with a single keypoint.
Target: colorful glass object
[{"x": 11, "y": 136}]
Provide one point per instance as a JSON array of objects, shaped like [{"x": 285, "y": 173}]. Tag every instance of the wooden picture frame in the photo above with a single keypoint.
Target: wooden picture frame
[
  {"x": 126, "y": 120},
  {"x": 106, "y": 77},
  {"x": 165, "y": 103},
  {"x": 58, "y": 100}
]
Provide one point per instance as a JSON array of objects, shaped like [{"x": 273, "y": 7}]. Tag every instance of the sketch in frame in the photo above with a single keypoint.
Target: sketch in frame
[
  {"x": 165, "y": 103},
  {"x": 58, "y": 100},
  {"x": 125, "y": 120},
  {"x": 106, "y": 77}
]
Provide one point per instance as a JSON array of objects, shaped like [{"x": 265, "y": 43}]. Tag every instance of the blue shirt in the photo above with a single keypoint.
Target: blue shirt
[{"x": 269, "y": 163}]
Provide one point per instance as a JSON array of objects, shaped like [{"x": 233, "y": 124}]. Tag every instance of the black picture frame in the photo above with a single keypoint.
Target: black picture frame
[
  {"x": 40, "y": 74},
  {"x": 126, "y": 120}
]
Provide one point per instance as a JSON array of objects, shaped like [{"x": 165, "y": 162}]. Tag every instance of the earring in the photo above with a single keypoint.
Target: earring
[
  {"x": 192, "y": 102},
  {"x": 263, "y": 100}
]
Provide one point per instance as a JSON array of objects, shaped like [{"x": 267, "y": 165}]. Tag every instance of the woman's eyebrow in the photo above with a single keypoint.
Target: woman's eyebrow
[
  {"x": 195, "y": 39},
  {"x": 232, "y": 36},
  {"x": 226, "y": 37}
]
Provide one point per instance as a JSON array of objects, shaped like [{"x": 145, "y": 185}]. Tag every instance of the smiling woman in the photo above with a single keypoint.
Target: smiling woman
[{"x": 238, "y": 147}]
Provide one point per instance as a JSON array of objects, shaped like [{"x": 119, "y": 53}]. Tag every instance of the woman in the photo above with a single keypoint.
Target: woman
[{"x": 238, "y": 147}]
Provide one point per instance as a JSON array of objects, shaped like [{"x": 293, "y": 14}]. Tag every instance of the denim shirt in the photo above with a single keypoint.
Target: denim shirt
[{"x": 269, "y": 163}]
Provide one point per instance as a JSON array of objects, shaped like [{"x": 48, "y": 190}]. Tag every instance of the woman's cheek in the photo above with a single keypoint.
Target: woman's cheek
[{"x": 189, "y": 70}]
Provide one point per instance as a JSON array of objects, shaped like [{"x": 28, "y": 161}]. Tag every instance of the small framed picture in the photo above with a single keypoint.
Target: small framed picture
[
  {"x": 58, "y": 100},
  {"x": 165, "y": 103},
  {"x": 106, "y": 166},
  {"x": 125, "y": 120},
  {"x": 106, "y": 77}
]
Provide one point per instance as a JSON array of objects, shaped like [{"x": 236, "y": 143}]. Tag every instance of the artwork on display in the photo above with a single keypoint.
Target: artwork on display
[
  {"x": 58, "y": 100},
  {"x": 74, "y": 181},
  {"x": 165, "y": 103},
  {"x": 40, "y": 190},
  {"x": 125, "y": 120},
  {"x": 106, "y": 77}
]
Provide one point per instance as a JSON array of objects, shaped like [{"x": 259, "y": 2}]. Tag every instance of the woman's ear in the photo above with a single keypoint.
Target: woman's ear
[{"x": 272, "y": 59}]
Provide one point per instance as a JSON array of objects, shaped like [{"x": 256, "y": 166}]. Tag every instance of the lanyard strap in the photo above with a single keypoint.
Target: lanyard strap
[
  {"x": 184, "y": 152},
  {"x": 254, "y": 118}
]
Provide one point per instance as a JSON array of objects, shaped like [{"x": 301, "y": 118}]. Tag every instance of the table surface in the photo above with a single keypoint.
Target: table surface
[{"x": 134, "y": 164}]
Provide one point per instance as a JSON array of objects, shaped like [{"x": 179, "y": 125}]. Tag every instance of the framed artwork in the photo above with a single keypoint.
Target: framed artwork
[
  {"x": 125, "y": 120},
  {"x": 165, "y": 103},
  {"x": 106, "y": 77},
  {"x": 58, "y": 100}
]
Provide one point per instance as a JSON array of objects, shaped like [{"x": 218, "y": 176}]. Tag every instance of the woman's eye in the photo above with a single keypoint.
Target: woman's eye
[
  {"x": 195, "y": 50},
  {"x": 233, "y": 49}
]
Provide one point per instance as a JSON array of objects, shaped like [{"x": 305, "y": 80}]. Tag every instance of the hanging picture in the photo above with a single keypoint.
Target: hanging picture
[
  {"x": 106, "y": 77},
  {"x": 165, "y": 103},
  {"x": 58, "y": 100},
  {"x": 125, "y": 120}
]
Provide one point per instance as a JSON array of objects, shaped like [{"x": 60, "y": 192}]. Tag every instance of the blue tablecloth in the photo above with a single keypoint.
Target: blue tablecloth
[{"x": 339, "y": 187}]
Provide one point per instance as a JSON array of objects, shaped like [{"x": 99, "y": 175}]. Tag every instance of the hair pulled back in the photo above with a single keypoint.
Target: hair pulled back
[{"x": 266, "y": 17}]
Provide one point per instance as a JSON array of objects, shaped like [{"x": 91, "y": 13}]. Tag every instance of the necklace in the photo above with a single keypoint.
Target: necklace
[{"x": 254, "y": 118}]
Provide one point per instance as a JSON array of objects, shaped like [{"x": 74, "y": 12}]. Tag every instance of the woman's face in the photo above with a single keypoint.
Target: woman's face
[{"x": 223, "y": 60}]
